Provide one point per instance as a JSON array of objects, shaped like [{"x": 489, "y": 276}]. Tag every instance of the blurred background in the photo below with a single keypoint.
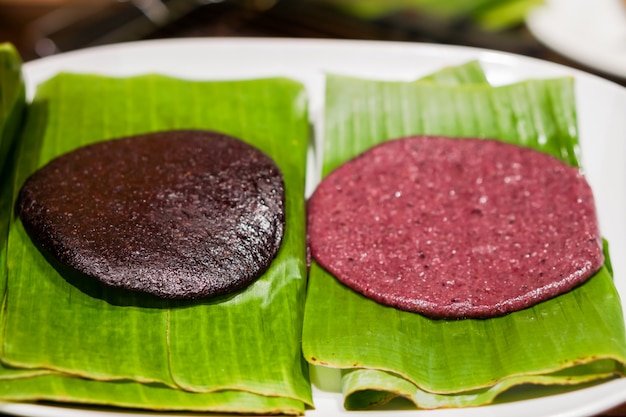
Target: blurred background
[{"x": 44, "y": 27}]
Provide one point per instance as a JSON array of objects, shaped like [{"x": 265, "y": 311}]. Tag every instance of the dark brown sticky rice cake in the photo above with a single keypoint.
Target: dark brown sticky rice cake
[
  {"x": 455, "y": 228},
  {"x": 177, "y": 214}
]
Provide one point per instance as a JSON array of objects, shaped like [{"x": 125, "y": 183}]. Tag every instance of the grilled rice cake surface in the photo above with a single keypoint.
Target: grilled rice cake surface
[{"x": 176, "y": 214}]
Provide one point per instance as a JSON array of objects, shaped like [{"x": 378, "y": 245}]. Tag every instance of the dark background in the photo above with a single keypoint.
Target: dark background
[{"x": 43, "y": 27}]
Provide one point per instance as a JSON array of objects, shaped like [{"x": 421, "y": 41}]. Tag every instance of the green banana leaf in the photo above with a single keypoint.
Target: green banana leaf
[
  {"x": 12, "y": 107},
  {"x": 12, "y": 98},
  {"x": 384, "y": 352},
  {"x": 155, "y": 397},
  {"x": 468, "y": 73},
  {"x": 367, "y": 388},
  {"x": 240, "y": 349},
  {"x": 360, "y": 114}
]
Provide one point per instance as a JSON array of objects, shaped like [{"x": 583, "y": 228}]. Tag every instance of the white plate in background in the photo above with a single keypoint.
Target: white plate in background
[{"x": 592, "y": 32}]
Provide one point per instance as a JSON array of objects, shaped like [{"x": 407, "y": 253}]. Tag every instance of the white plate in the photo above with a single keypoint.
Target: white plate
[
  {"x": 601, "y": 110},
  {"x": 592, "y": 32}
]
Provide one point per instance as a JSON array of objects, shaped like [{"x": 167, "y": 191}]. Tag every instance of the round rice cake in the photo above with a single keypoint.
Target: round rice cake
[
  {"x": 455, "y": 228},
  {"x": 176, "y": 214}
]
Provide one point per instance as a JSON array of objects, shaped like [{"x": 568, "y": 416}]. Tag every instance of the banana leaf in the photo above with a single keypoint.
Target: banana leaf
[
  {"x": 237, "y": 353},
  {"x": 468, "y": 73},
  {"x": 154, "y": 397},
  {"x": 367, "y": 388},
  {"x": 12, "y": 108},
  {"x": 361, "y": 114},
  {"x": 384, "y": 352},
  {"x": 12, "y": 98}
]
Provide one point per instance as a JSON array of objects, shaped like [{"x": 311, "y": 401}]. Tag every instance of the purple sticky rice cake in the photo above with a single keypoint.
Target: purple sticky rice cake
[
  {"x": 455, "y": 228},
  {"x": 177, "y": 214}
]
